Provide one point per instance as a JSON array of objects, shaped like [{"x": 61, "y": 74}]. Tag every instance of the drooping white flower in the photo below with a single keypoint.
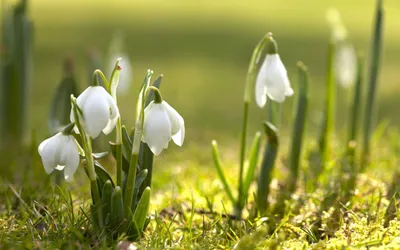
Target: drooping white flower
[
  {"x": 60, "y": 152},
  {"x": 338, "y": 29},
  {"x": 161, "y": 123},
  {"x": 346, "y": 65},
  {"x": 126, "y": 74},
  {"x": 272, "y": 81},
  {"x": 99, "y": 111}
]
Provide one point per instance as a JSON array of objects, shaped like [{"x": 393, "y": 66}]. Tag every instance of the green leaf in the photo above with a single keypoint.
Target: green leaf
[
  {"x": 60, "y": 108},
  {"x": 138, "y": 184},
  {"x": 142, "y": 209},
  {"x": 267, "y": 166},
  {"x": 253, "y": 159},
  {"x": 102, "y": 174},
  {"x": 373, "y": 71},
  {"x": 127, "y": 144},
  {"x": 106, "y": 199},
  {"x": 299, "y": 123},
  {"x": 117, "y": 209},
  {"x": 220, "y": 171}
]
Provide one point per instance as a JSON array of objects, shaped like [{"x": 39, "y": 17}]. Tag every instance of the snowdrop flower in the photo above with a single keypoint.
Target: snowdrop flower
[
  {"x": 272, "y": 79},
  {"x": 98, "y": 109},
  {"x": 161, "y": 123},
  {"x": 346, "y": 65},
  {"x": 338, "y": 29},
  {"x": 60, "y": 152}
]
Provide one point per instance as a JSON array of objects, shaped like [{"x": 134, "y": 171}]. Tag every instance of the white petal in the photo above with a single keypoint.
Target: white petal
[
  {"x": 277, "y": 82},
  {"x": 84, "y": 96},
  {"x": 113, "y": 108},
  {"x": 70, "y": 158},
  {"x": 156, "y": 128},
  {"x": 346, "y": 65},
  {"x": 48, "y": 152},
  {"x": 96, "y": 113},
  {"x": 260, "y": 89},
  {"x": 110, "y": 125},
  {"x": 177, "y": 124},
  {"x": 179, "y": 137}
]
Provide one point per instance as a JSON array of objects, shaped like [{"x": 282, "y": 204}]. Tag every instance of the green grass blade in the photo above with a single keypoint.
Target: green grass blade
[
  {"x": 142, "y": 209},
  {"x": 253, "y": 159},
  {"x": 298, "y": 131},
  {"x": 372, "y": 83},
  {"x": 267, "y": 166},
  {"x": 220, "y": 171}
]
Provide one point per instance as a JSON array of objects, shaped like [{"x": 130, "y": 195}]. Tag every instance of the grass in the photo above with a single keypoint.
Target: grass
[
  {"x": 190, "y": 211},
  {"x": 203, "y": 49}
]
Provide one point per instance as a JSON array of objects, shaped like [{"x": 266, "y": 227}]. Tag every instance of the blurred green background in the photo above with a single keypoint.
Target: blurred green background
[{"x": 203, "y": 49}]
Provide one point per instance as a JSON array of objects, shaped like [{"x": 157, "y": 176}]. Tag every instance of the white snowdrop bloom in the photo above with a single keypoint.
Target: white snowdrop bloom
[
  {"x": 272, "y": 80},
  {"x": 338, "y": 29},
  {"x": 126, "y": 74},
  {"x": 99, "y": 111},
  {"x": 60, "y": 152},
  {"x": 346, "y": 65},
  {"x": 161, "y": 123}
]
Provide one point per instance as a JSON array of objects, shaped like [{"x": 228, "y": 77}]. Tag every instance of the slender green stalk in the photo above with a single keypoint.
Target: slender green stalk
[
  {"x": 242, "y": 153},
  {"x": 112, "y": 89},
  {"x": 87, "y": 147},
  {"x": 118, "y": 152},
  {"x": 372, "y": 83},
  {"x": 267, "y": 167},
  {"x": 253, "y": 66},
  {"x": 299, "y": 118},
  {"x": 130, "y": 186},
  {"x": 274, "y": 112},
  {"x": 329, "y": 117}
]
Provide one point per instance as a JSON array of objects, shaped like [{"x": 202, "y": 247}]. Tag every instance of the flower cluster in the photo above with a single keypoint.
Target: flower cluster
[{"x": 99, "y": 113}]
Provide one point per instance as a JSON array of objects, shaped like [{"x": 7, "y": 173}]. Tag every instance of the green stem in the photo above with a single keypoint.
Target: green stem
[
  {"x": 119, "y": 152},
  {"x": 130, "y": 183},
  {"x": 242, "y": 152}
]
